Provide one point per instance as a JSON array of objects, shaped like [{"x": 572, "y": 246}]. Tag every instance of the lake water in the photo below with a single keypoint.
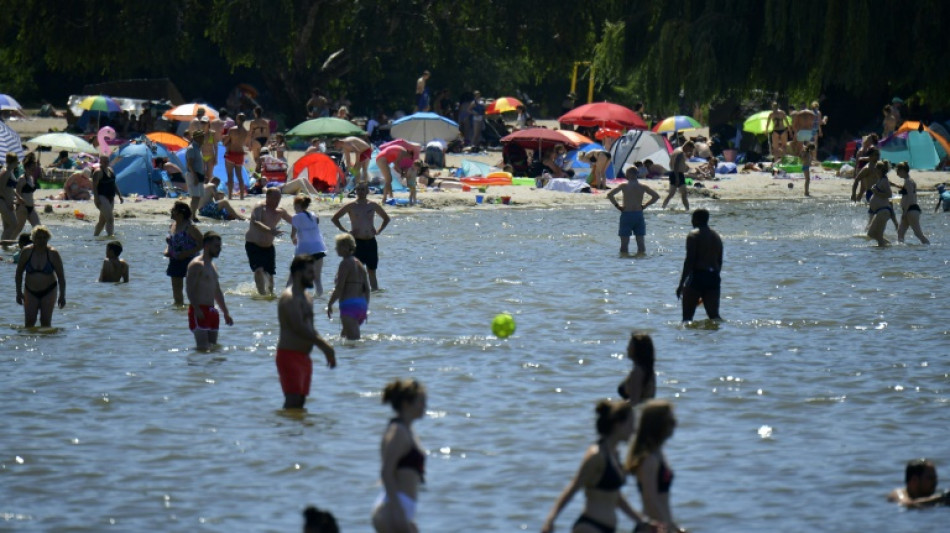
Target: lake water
[{"x": 798, "y": 413}]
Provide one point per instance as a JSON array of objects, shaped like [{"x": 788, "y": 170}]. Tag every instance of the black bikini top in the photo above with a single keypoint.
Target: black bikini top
[
  {"x": 414, "y": 458},
  {"x": 613, "y": 478}
]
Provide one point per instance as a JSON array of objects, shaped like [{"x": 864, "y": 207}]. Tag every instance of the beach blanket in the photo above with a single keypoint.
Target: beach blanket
[
  {"x": 726, "y": 168},
  {"x": 567, "y": 185}
]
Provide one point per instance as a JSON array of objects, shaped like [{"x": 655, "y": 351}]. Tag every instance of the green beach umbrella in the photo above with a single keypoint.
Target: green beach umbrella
[
  {"x": 325, "y": 127},
  {"x": 756, "y": 123}
]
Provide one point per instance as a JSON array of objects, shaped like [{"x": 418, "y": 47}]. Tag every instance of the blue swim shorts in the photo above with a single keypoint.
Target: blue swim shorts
[{"x": 632, "y": 222}]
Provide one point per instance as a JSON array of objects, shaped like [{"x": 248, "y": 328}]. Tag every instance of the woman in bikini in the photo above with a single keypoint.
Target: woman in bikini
[
  {"x": 209, "y": 150},
  {"x": 910, "y": 211},
  {"x": 645, "y": 460},
  {"x": 403, "y": 459},
  {"x": 778, "y": 122},
  {"x": 184, "y": 243},
  {"x": 25, "y": 186},
  {"x": 8, "y": 183},
  {"x": 879, "y": 206},
  {"x": 601, "y": 475},
  {"x": 640, "y": 384},
  {"x": 44, "y": 274}
]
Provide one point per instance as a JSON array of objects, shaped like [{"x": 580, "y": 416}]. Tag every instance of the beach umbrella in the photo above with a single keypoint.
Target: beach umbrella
[
  {"x": 579, "y": 139},
  {"x": 604, "y": 133},
  {"x": 540, "y": 139},
  {"x": 423, "y": 127},
  {"x": 63, "y": 141},
  {"x": 101, "y": 104},
  {"x": 8, "y": 103},
  {"x": 504, "y": 104},
  {"x": 756, "y": 123},
  {"x": 168, "y": 140},
  {"x": 676, "y": 123},
  {"x": 9, "y": 141},
  {"x": 326, "y": 127},
  {"x": 187, "y": 112},
  {"x": 605, "y": 115}
]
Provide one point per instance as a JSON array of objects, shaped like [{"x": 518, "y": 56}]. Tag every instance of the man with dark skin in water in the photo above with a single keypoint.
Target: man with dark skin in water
[
  {"x": 297, "y": 334},
  {"x": 700, "y": 279}
]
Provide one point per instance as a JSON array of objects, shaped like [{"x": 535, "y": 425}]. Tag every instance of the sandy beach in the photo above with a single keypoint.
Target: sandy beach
[{"x": 743, "y": 186}]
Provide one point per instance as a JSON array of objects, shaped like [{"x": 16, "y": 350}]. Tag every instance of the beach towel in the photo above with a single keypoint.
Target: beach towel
[
  {"x": 567, "y": 185},
  {"x": 726, "y": 168}
]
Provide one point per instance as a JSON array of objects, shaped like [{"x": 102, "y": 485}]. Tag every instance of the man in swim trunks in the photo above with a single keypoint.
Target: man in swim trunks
[
  {"x": 297, "y": 334},
  {"x": 352, "y": 289},
  {"x": 361, "y": 152},
  {"x": 234, "y": 141},
  {"x": 679, "y": 167},
  {"x": 920, "y": 486},
  {"x": 778, "y": 121},
  {"x": 212, "y": 204},
  {"x": 260, "y": 135},
  {"x": 201, "y": 285},
  {"x": 700, "y": 279},
  {"x": 363, "y": 228},
  {"x": 259, "y": 245},
  {"x": 631, "y": 214},
  {"x": 422, "y": 92},
  {"x": 196, "y": 166}
]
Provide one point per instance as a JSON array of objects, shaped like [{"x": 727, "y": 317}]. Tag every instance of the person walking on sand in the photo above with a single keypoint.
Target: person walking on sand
[
  {"x": 203, "y": 292},
  {"x": 700, "y": 280},
  {"x": 910, "y": 210},
  {"x": 403, "y": 459},
  {"x": 601, "y": 475},
  {"x": 360, "y": 152},
  {"x": 808, "y": 155},
  {"x": 362, "y": 213},
  {"x": 235, "y": 140},
  {"x": 183, "y": 244},
  {"x": 679, "y": 167},
  {"x": 778, "y": 122},
  {"x": 640, "y": 384},
  {"x": 351, "y": 289},
  {"x": 297, "y": 335},
  {"x": 631, "y": 214},
  {"x": 114, "y": 269},
  {"x": 104, "y": 191},
  {"x": 39, "y": 272},
  {"x": 646, "y": 462},
  {"x": 259, "y": 245}
]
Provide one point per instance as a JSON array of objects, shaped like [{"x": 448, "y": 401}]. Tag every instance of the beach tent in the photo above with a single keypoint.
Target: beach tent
[
  {"x": 320, "y": 169},
  {"x": 939, "y": 136},
  {"x": 918, "y": 148},
  {"x": 135, "y": 171},
  {"x": 475, "y": 168},
  {"x": 582, "y": 168},
  {"x": 219, "y": 169},
  {"x": 639, "y": 145}
]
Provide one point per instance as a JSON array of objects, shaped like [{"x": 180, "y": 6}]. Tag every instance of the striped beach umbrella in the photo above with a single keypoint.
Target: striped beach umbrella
[
  {"x": 505, "y": 104},
  {"x": 9, "y": 141},
  {"x": 677, "y": 123},
  {"x": 188, "y": 112},
  {"x": 8, "y": 103},
  {"x": 101, "y": 103}
]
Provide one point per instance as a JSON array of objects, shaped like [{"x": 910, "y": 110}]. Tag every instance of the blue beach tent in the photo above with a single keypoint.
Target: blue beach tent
[
  {"x": 221, "y": 171},
  {"x": 135, "y": 172}
]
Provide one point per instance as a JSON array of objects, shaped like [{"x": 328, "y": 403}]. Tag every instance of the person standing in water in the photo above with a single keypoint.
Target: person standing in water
[
  {"x": 259, "y": 245},
  {"x": 362, "y": 227},
  {"x": 646, "y": 462},
  {"x": 183, "y": 245},
  {"x": 44, "y": 274},
  {"x": 104, "y": 191},
  {"x": 307, "y": 238},
  {"x": 679, "y": 168},
  {"x": 700, "y": 278},
  {"x": 640, "y": 384},
  {"x": 910, "y": 211},
  {"x": 403, "y": 459},
  {"x": 297, "y": 335},
  {"x": 601, "y": 475},
  {"x": 631, "y": 214},
  {"x": 352, "y": 289},
  {"x": 203, "y": 292},
  {"x": 114, "y": 269}
]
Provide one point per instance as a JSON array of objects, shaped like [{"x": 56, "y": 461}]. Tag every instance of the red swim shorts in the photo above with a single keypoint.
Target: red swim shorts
[
  {"x": 366, "y": 154},
  {"x": 210, "y": 321},
  {"x": 234, "y": 157},
  {"x": 295, "y": 370}
]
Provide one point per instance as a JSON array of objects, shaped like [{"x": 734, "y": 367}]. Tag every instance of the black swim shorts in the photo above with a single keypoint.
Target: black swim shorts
[
  {"x": 367, "y": 253},
  {"x": 677, "y": 179},
  {"x": 260, "y": 257}
]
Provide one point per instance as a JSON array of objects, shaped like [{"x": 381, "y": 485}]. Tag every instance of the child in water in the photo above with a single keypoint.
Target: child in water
[
  {"x": 114, "y": 270},
  {"x": 352, "y": 288}
]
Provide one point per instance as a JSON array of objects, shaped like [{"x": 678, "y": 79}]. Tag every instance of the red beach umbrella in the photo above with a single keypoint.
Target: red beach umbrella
[{"x": 605, "y": 115}]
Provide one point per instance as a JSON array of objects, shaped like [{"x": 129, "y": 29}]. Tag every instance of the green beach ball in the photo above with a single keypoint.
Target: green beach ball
[{"x": 503, "y": 325}]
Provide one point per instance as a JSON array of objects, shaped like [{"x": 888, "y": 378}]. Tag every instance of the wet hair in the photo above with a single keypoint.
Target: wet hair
[
  {"x": 700, "y": 218},
  {"x": 610, "y": 413},
  {"x": 302, "y": 200},
  {"x": 209, "y": 236},
  {"x": 903, "y": 165},
  {"x": 300, "y": 262},
  {"x": 346, "y": 238},
  {"x": 115, "y": 247},
  {"x": 317, "y": 521},
  {"x": 640, "y": 351},
  {"x": 401, "y": 391},
  {"x": 24, "y": 240},
  {"x": 182, "y": 209},
  {"x": 40, "y": 230},
  {"x": 916, "y": 468},
  {"x": 656, "y": 425}
]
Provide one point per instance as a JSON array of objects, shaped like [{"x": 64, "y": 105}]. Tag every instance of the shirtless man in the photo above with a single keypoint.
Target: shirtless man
[
  {"x": 361, "y": 152},
  {"x": 235, "y": 139},
  {"x": 297, "y": 334},
  {"x": 352, "y": 289},
  {"x": 920, "y": 486},
  {"x": 363, "y": 229},
  {"x": 195, "y": 124},
  {"x": 631, "y": 214},
  {"x": 201, "y": 285},
  {"x": 217, "y": 125},
  {"x": 422, "y": 93},
  {"x": 678, "y": 169},
  {"x": 114, "y": 270},
  {"x": 211, "y": 203},
  {"x": 700, "y": 279},
  {"x": 260, "y": 135},
  {"x": 867, "y": 176},
  {"x": 778, "y": 121},
  {"x": 259, "y": 245}
]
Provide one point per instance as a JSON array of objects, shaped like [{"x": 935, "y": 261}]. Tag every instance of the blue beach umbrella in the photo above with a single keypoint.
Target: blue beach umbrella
[
  {"x": 8, "y": 103},
  {"x": 424, "y": 127}
]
